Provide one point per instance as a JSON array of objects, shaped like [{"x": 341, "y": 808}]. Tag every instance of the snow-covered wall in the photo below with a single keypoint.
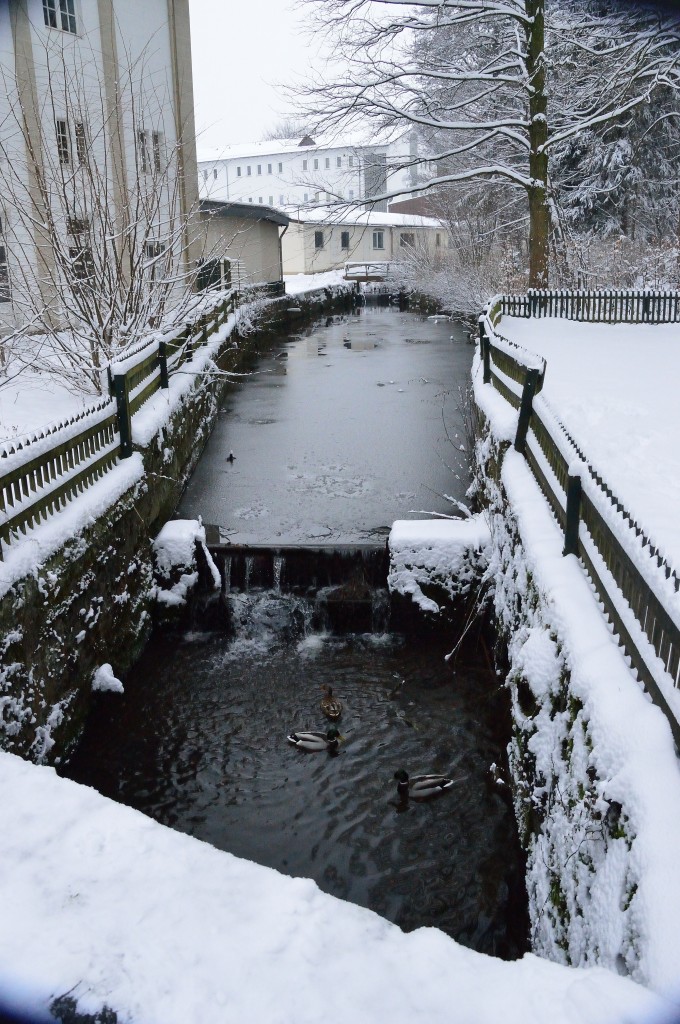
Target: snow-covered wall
[{"x": 595, "y": 775}]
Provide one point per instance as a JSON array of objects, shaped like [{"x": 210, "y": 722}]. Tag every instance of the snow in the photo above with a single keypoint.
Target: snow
[
  {"x": 621, "y": 894},
  {"x": 435, "y": 552},
  {"x": 103, "y": 678},
  {"x": 104, "y": 904},
  {"x": 362, "y": 218},
  {"x": 174, "y": 551},
  {"x": 615, "y": 388},
  {"x": 297, "y": 284}
]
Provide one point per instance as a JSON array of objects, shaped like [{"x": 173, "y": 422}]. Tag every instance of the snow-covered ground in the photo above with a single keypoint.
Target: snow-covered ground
[
  {"x": 100, "y": 902},
  {"x": 296, "y": 284},
  {"x": 615, "y": 387}
]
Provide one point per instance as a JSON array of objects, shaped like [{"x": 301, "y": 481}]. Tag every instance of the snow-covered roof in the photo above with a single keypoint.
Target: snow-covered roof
[
  {"x": 364, "y": 218},
  {"x": 279, "y": 147}
]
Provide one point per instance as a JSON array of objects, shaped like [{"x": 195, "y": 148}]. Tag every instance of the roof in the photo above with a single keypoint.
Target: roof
[
  {"x": 366, "y": 218},
  {"x": 279, "y": 147},
  {"x": 248, "y": 211}
]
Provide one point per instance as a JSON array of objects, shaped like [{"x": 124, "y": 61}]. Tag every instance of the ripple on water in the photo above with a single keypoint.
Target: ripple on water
[{"x": 198, "y": 741}]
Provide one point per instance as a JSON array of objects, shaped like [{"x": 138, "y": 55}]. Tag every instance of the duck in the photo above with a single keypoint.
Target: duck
[
  {"x": 420, "y": 787},
  {"x": 315, "y": 741},
  {"x": 330, "y": 705}
]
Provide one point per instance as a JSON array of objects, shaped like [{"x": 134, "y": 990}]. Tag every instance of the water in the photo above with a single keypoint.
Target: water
[
  {"x": 348, "y": 425},
  {"x": 198, "y": 742},
  {"x": 345, "y": 427}
]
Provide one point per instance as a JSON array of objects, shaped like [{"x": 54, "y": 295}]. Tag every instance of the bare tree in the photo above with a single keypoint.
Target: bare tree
[
  {"x": 488, "y": 83},
  {"x": 99, "y": 250}
]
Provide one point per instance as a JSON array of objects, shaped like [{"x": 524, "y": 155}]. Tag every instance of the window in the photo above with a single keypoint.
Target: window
[
  {"x": 250, "y": 199},
  {"x": 248, "y": 170},
  {"x": 77, "y": 225},
  {"x": 304, "y": 165},
  {"x": 317, "y": 197},
  {"x": 407, "y": 239},
  {"x": 269, "y": 168},
  {"x": 215, "y": 173},
  {"x": 259, "y": 168},
  {"x": 157, "y": 142},
  {"x": 328, "y": 161},
  {"x": 152, "y": 251},
  {"x": 63, "y": 147},
  {"x": 281, "y": 200},
  {"x": 205, "y": 175},
  {"x": 438, "y": 240},
  {"x": 260, "y": 199},
  {"x": 60, "y": 14},
  {"x": 350, "y": 161},
  {"x": 271, "y": 200},
  {"x": 82, "y": 265},
  {"x": 316, "y": 165},
  {"x": 238, "y": 172},
  {"x": 306, "y": 199},
  {"x": 143, "y": 153},
  {"x": 338, "y": 161},
  {"x": 81, "y": 141},
  {"x": 318, "y": 239},
  {"x": 351, "y": 193},
  {"x": 378, "y": 239},
  {"x": 344, "y": 239},
  {"x": 4, "y": 275},
  {"x": 280, "y": 168}
]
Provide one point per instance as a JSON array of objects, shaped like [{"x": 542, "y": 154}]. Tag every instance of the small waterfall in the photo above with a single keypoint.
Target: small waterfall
[
  {"x": 278, "y": 564},
  {"x": 250, "y": 561},
  {"x": 227, "y": 574}
]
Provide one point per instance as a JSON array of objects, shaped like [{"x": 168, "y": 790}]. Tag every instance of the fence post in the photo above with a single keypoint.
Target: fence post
[
  {"x": 573, "y": 515},
  {"x": 188, "y": 343},
  {"x": 120, "y": 392},
  {"x": 486, "y": 354},
  {"x": 163, "y": 361},
  {"x": 204, "y": 329},
  {"x": 530, "y": 383}
]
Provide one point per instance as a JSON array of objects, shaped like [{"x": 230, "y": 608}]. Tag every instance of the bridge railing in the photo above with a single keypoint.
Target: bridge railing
[
  {"x": 41, "y": 472},
  {"x": 368, "y": 270},
  {"x": 636, "y": 585}
]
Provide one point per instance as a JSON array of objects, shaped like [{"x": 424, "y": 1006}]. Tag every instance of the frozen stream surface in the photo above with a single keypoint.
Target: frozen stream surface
[{"x": 345, "y": 427}]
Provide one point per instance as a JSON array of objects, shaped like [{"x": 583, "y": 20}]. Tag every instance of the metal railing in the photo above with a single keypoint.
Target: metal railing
[{"x": 636, "y": 585}]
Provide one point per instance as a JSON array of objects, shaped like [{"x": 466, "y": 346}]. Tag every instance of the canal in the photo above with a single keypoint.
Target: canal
[{"x": 344, "y": 427}]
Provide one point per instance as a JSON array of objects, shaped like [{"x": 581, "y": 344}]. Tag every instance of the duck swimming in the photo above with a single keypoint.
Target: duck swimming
[
  {"x": 420, "y": 787},
  {"x": 316, "y": 740},
  {"x": 330, "y": 705}
]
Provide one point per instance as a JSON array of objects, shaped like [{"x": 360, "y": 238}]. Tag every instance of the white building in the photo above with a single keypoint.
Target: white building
[
  {"x": 306, "y": 171},
  {"x": 96, "y": 127},
  {"x": 324, "y": 239}
]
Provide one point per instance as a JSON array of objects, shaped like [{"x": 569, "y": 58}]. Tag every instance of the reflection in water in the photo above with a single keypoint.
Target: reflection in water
[{"x": 198, "y": 741}]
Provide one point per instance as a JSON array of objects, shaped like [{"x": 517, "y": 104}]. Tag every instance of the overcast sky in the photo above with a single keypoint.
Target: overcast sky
[{"x": 241, "y": 50}]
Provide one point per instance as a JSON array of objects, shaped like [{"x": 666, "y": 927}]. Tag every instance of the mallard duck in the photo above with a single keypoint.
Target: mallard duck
[
  {"x": 330, "y": 705},
  {"x": 316, "y": 740},
  {"x": 420, "y": 787}
]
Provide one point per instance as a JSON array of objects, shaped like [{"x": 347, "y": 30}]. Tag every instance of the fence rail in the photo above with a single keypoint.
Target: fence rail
[
  {"x": 611, "y": 307},
  {"x": 40, "y": 473},
  {"x": 637, "y": 587}
]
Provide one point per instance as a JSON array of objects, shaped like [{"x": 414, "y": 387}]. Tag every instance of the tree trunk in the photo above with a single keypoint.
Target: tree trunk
[{"x": 539, "y": 210}]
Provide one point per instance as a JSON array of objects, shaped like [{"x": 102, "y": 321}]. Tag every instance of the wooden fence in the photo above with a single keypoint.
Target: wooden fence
[
  {"x": 635, "y": 584},
  {"x": 609, "y": 307},
  {"x": 39, "y": 474}
]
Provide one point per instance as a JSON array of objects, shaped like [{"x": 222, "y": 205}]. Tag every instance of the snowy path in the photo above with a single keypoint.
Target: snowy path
[
  {"x": 616, "y": 389},
  {"x": 101, "y": 902}
]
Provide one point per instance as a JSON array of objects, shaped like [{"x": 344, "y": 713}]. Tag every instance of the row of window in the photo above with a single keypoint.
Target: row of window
[
  {"x": 279, "y": 166},
  {"x": 378, "y": 239},
  {"x": 60, "y": 14},
  {"x": 149, "y": 146},
  {"x": 406, "y": 239}
]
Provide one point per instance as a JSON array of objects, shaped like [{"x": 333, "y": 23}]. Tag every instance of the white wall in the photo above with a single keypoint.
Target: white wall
[{"x": 301, "y": 255}]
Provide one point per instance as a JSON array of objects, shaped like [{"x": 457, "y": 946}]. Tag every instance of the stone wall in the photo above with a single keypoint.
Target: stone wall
[{"x": 90, "y": 603}]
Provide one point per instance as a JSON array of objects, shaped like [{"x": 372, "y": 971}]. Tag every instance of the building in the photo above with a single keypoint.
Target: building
[
  {"x": 307, "y": 172},
  {"x": 242, "y": 244},
  {"x": 323, "y": 239},
  {"x": 97, "y": 143}
]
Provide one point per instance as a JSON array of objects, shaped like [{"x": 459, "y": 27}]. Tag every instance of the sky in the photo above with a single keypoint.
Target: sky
[{"x": 242, "y": 52}]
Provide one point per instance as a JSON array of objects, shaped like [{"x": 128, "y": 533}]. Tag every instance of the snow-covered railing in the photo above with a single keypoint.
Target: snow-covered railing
[
  {"x": 616, "y": 306},
  {"x": 638, "y": 588},
  {"x": 39, "y": 473},
  {"x": 369, "y": 270}
]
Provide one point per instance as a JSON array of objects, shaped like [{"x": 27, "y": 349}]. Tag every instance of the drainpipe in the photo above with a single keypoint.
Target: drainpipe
[{"x": 281, "y": 251}]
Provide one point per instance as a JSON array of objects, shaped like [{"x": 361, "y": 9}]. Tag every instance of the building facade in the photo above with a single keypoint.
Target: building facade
[
  {"x": 321, "y": 239},
  {"x": 307, "y": 172},
  {"x": 97, "y": 142},
  {"x": 244, "y": 237}
]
